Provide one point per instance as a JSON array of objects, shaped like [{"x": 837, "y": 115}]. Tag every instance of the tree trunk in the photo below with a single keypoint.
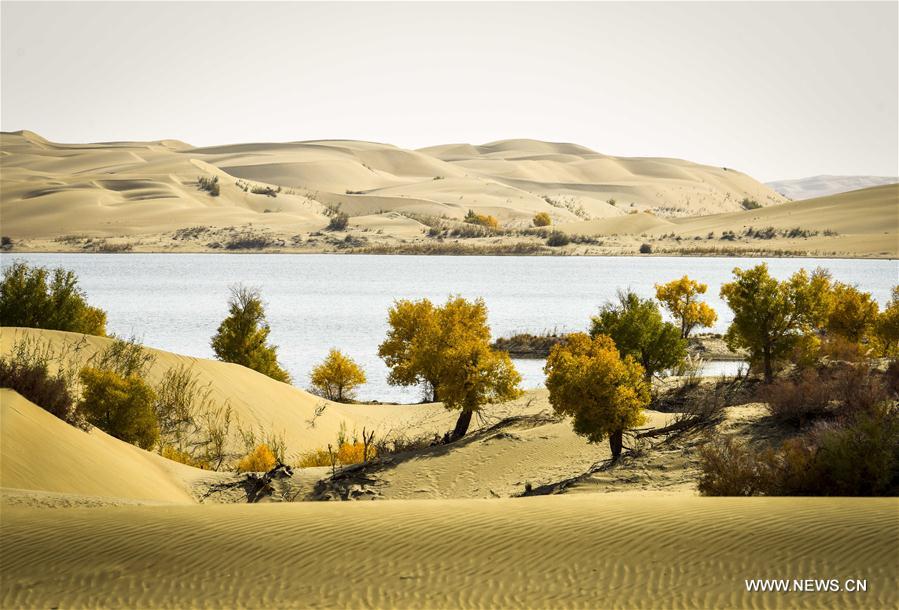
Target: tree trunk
[
  {"x": 462, "y": 424},
  {"x": 616, "y": 442},
  {"x": 769, "y": 369}
]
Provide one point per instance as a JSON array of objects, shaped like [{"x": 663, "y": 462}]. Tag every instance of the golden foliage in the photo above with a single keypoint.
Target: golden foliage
[
  {"x": 346, "y": 454},
  {"x": 588, "y": 380},
  {"x": 337, "y": 377},
  {"x": 542, "y": 219},
  {"x": 482, "y": 220},
  {"x": 886, "y": 328},
  {"x": 448, "y": 349},
  {"x": 679, "y": 298},
  {"x": 260, "y": 459}
]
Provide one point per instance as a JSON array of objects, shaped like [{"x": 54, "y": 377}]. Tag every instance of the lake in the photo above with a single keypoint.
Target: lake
[{"x": 314, "y": 302}]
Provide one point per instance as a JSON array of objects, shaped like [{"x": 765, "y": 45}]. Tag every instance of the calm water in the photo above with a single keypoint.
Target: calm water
[{"x": 176, "y": 301}]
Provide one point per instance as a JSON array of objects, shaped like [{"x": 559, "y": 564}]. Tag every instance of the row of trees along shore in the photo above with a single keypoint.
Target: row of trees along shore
[{"x": 601, "y": 379}]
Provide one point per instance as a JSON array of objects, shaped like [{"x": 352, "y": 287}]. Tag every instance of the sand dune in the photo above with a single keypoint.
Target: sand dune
[
  {"x": 149, "y": 189},
  {"x": 585, "y": 551},
  {"x": 260, "y": 402},
  {"x": 822, "y": 186},
  {"x": 40, "y": 452}
]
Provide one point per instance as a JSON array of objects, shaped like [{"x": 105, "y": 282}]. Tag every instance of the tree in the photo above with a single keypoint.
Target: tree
[
  {"x": 852, "y": 312},
  {"x": 679, "y": 298},
  {"x": 590, "y": 381},
  {"x": 542, "y": 219},
  {"x": 769, "y": 315},
  {"x": 120, "y": 406},
  {"x": 886, "y": 328},
  {"x": 337, "y": 377},
  {"x": 637, "y": 328},
  {"x": 242, "y": 336},
  {"x": 447, "y": 349},
  {"x": 34, "y": 297}
]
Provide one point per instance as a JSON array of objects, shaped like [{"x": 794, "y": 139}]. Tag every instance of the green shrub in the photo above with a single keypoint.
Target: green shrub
[
  {"x": 557, "y": 239},
  {"x": 645, "y": 249},
  {"x": 120, "y": 406},
  {"x": 38, "y": 298}
]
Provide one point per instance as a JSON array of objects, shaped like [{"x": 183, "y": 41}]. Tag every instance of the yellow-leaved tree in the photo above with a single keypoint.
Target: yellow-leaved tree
[
  {"x": 604, "y": 393},
  {"x": 852, "y": 313},
  {"x": 886, "y": 328},
  {"x": 680, "y": 298},
  {"x": 337, "y": 377},
  {"x": 447, "y": 350}
]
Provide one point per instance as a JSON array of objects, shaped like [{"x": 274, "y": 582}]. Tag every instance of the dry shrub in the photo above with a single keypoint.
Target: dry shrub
[
  {"x": 858, "y": 388},
  {"x": 891, "y": 378},
  {"x": 729, "y": 468},
  {"x": 799, "y": 400},
  {"x": 859, "y": 457},
  {"x": 34, "y": 382},
  {"x": 840, "y": 349},
  {"x": 260, "y": 459},
  {"x": 183, "y": 457}
]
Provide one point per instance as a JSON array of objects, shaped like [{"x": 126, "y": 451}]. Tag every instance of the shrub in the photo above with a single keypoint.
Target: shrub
[
  {"x": 347, "y": 453},
  {"x": 36, "y": 298},
  {"x": 886, "y": 328},
  {"x": 125, "y": 357},
  {"x": 242, "y": 337},
  {"x": 210, "y": 185},
  {"x": 339, "y": 222},
  {"x": 337, "y": 377},
  {"x": 120, "y": 406},
  {"x": 183, "y": 457},
  {"x": 645, "y": 249},
  {"x": 729, "y": 468},
  {"x": 265, "y": 190},
  {"x": 557, "y": 239},
  {"x": 261, "y": 459},
  {"x": 482, "y": 220},
  {"x": 588, "y": 380},
  {"x": 750, "y": 204},
  {"x": 6, "y": 242},
  {"x": 34, "y": 382},
  {"x": 858, "y": 388},
  {"x": 542, "y": 219},
  {"x": 248, "y": 241},
  {"x": 800, "y": 400}
]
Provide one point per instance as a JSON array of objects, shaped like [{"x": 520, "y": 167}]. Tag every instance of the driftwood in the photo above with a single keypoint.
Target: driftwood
[{"x": 262, "y": 487}]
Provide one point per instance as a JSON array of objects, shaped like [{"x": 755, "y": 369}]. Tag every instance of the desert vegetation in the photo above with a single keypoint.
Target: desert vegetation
[
  {"x": 242, "y": 337},
  {"x": 337, "y": 377}
]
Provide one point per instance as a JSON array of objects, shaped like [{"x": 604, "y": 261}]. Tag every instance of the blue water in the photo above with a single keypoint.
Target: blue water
[{"x": 176, "y": 301}]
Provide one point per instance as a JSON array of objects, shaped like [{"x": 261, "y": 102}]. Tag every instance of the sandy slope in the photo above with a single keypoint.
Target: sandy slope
[
  {"x": 587, "y": 551},
  {"x": 149, "y": 188},
  {"x": 822, "y": 186},
  {"x": 258, "y": 401},
  {"x": 43, "y": 453}
]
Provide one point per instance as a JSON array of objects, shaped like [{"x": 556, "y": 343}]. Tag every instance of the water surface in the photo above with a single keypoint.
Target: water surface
[{"x": 317, "y": 301}]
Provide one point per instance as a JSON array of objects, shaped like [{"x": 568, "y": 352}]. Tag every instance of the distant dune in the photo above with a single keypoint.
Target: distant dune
[
  {"x": 821, "y": 186},
  {"x": 128, "y": 188},
  {"x": 145, "y": 196}
]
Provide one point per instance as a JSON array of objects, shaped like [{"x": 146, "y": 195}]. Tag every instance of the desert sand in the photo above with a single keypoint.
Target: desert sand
[
  {"x": 144, "y": 197},
  {"x": 448, "y": 527}
]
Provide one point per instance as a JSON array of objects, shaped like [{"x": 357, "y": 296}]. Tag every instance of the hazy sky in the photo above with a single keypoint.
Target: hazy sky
[{"x": 778, "y": 90}]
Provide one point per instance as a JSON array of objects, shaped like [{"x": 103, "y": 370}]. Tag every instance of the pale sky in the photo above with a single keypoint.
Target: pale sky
[{"x": 777, "y": 90}]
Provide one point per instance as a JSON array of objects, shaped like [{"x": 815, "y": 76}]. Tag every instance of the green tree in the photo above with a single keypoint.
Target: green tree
[
  {"x": 770, "y": 316},
  {"x": 242, "y": 337},
  {"x": 638, "y": 330},
  {"x": 38, "y": 298},
  {"x": 680, "y": 298},
  {"x": 337, "y": 377},
  {"x": 120, "y": 406},
  {"x": 604, "y": 393},
  {"x": 447, "y": 349}
]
